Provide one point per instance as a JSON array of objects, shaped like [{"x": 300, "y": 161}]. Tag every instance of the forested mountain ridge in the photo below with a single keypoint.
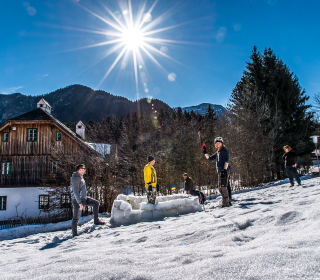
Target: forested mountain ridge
[
  {"x": 203, "y": 107},
  {"x": 77, "y": 102}
]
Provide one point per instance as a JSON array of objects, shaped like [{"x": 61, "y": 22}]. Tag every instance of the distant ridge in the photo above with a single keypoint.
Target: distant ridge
[
  {"x": 77, "y": 102},
  {"x": 202, "y": 108}
]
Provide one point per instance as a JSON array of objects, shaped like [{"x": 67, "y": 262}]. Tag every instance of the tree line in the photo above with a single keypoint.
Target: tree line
[{"x": 267, "y": 110}]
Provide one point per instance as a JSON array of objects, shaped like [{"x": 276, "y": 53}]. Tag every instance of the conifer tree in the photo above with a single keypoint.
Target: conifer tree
[{"x": 269, "y": 106}]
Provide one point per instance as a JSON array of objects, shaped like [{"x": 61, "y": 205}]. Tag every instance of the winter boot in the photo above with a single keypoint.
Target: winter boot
[
  {"x": 99, "y": 223},
  {"x": 74, "y": 228}
]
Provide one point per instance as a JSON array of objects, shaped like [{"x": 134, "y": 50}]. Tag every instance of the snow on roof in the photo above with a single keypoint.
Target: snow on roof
[{"x": 103, "y": 149}]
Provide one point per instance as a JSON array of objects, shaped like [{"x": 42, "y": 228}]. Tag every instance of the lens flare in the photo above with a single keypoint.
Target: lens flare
[
  {"x": 133, "y": 34},
  {"x": 172, "y": 77}
]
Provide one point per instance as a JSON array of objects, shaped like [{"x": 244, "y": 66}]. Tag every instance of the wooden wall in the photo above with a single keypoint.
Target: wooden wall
[
  {"x": 18, "y": 145},
  {"x": 31, "y": 160},
  {"x": 26, "y": 171}
]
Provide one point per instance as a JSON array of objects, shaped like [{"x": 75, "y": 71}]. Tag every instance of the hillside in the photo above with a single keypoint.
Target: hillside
[
  {"x": 77, "y": 102},
  {"x": 270, "y": 232},
  {"x": 202, "y": 108}
]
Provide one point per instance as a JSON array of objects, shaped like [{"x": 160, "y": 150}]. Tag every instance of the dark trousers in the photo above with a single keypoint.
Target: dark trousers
[
  {"x": 293, "y": 173},
  {"x": 198, "y": 194},
  {"x": 225, "y": 189},
  {"x": 77, "y": 213}
]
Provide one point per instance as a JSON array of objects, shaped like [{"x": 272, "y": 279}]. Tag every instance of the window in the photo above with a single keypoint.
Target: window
[
  {"x": 43, "y": 201},
  {"x": 6, "y": 168},
  {"x": 32, "y": 134},
  {"x": 3, "y": 203},
  {"x": 58, "y": 135},
  {"x": 65, "y": 201},
  {"x": 5, "y": 137}
]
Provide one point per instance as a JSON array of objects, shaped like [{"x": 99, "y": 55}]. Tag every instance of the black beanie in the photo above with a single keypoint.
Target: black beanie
[{"x": 150, "y": 158}]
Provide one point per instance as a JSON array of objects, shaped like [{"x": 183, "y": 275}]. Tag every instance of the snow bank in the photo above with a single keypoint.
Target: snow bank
[{"x": 131, "y": 209}]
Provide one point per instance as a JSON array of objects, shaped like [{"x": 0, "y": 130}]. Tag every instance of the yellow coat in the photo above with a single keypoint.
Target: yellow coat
[{"x": 150, "y": 175}]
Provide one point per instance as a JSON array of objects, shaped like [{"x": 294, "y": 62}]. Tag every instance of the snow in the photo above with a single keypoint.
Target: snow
[
  {"x": 131, "y": 209},
  {"x": 269, "y": 233}
]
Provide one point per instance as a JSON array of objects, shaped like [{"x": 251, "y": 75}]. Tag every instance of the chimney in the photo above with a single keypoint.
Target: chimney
[
  {"x": 44, "y": 105},
  {"x": 80, "y": 129}
]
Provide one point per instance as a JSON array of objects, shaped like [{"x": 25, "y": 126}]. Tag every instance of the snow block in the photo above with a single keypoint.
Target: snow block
[
  {"x": 125, "y": 206},
  {"x": 122, "y": 197},
  {"x": 130, "y": 209},
  {"x": 146, "y": 216},
  {"x": 158, "y": 214}
]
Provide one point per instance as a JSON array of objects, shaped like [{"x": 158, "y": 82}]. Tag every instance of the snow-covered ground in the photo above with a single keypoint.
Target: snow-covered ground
[{"x": 269, "y": 233}]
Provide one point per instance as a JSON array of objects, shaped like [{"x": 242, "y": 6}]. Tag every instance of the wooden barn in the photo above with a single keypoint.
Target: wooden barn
[{"x": 26, "y": 147}]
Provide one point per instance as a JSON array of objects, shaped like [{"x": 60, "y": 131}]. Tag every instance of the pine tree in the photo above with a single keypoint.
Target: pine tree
[{"x": 268, "y": 106}]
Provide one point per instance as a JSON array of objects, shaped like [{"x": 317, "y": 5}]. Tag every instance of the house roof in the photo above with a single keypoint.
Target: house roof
[
  {"x": 80, "y": 123},
  {"x": 41, "y": 115},
  {"x": 34, "y": 115}
]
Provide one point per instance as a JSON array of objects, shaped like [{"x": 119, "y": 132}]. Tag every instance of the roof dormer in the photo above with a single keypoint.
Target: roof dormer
[{"x": 44, "y": 105}]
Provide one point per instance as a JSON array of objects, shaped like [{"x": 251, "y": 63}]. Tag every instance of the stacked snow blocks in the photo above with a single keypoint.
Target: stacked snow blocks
[{"x": 131, "y": 209}]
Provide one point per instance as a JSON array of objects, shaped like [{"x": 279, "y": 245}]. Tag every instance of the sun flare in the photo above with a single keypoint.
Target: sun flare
[{"x": 131, "y": 37}]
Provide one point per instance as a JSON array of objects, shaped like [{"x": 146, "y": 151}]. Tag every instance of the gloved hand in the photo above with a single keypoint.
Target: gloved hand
[
  {"x": 150, "y": 188},
  {"x": 204, "y": 148},
  {"x": 158, "y": 188},
  {"x": 224, "y": 173}
]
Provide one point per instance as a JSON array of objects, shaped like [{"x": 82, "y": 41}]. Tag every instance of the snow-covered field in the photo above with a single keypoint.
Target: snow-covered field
[{"x": 268, "y": 233}]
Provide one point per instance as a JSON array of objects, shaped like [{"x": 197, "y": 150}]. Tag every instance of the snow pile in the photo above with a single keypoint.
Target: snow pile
[{"x": 131, "y": 209}]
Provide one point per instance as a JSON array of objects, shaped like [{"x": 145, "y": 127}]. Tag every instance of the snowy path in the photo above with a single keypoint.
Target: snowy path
[{"x": 269, "y": 233}]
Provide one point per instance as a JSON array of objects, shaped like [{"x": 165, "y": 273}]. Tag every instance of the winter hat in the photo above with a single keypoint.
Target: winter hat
[
  {"x": 150, "y": 158},
  {"x": 185, "y": 174},
  {"x": 218, "y": 139}
]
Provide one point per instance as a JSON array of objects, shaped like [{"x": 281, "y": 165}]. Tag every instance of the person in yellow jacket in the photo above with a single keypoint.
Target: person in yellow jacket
[{"x": 150, "y": 180}]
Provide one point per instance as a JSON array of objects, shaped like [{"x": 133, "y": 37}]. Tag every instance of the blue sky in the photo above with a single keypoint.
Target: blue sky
[{"x": 199, "y": 55}]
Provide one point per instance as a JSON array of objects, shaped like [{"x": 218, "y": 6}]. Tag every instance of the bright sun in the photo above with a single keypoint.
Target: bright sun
[
  {"x": 133, "y": 32},
  {"x": 133, "y": 38}
]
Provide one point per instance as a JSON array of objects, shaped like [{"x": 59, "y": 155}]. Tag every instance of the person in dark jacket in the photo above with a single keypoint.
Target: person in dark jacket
[
  {"x": 290, "y": 161},
  {"x": 188, "y": 183},
  {"x": 79, "y": 198},
  {"x": 188, "y": 186},
  {"x": 222, "y": 164}
]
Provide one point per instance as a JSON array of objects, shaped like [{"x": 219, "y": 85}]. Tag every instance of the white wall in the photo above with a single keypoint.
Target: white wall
[{"x": 28, "y": 199}]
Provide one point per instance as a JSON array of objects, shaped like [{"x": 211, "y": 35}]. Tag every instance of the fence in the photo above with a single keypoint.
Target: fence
[{"x": 30, "y": 221}]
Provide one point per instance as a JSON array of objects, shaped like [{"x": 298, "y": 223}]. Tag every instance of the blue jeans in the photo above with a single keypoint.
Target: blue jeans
[{"x": 293, "y": 173}]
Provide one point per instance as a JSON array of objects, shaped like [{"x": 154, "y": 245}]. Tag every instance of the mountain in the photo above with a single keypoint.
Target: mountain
[
  {"x": 202, "y": 108},
  {"x": 77, "y": 102}
]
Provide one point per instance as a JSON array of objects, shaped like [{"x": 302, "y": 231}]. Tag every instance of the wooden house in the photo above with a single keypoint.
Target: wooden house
[{"x": 26, "y": 146}]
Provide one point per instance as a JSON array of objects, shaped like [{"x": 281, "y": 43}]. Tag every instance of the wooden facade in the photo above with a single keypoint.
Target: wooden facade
[{"x": 28, "y": 159}]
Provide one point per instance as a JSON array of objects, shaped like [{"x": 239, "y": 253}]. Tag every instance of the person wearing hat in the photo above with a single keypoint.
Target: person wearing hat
[
  {"x": 188, "y": 183},
  {"x": 150, "y": 180},
  {"x": 222, "y": 164}
]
